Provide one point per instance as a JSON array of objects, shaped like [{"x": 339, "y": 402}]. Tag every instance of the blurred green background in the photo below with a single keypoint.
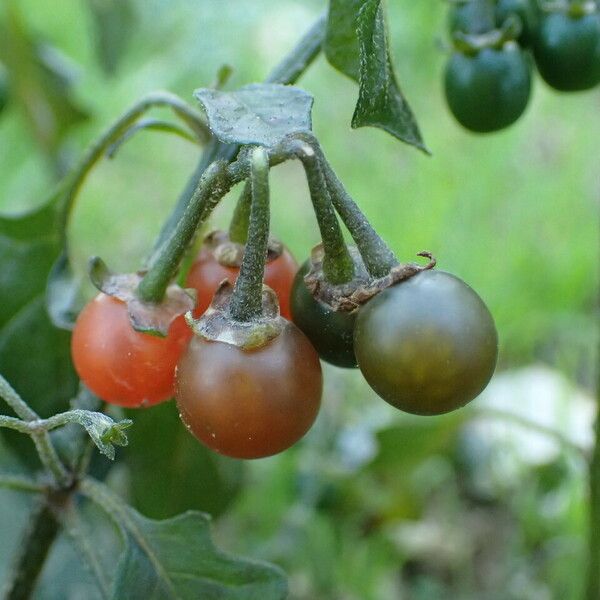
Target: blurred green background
[{"x": 481, "y": 504}]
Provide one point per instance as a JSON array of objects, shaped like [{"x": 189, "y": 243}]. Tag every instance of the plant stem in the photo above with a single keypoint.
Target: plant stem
[
  {"x": 238, "y": 228},
  {"x": 593, "y": 572},
  {"x": 41, "y": 439},
  {"x": 12, "y": 398},
  {"x": 560, "y": 438},
  {"x": 213, "y": 185},
  {"x": 295, "y": 63},
  {"x": 376, "y": 254},
  {"x": 288, "y": 71},
  {"x": 18, "y": 483},
  {"x": 246, "y": 300},
  {"x": 50, "y": 459},
  {"x": 72, "y": 184},
  {"x": 338, "y": 266},
  {"x": 42, "y": 529}
]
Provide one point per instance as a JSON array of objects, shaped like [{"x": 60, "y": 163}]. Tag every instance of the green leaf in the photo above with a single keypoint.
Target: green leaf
[
  {"x": 192, "y": 477},
  {"x": 177, "y": 559},
  {"x": 380, "y": 101},
  {"x": 259, "y": 113},
  {"x": 64, "y": 300},
  {"x": 41, "y": 81},
  {"x": 412, "y": 440},
  {"x": 357, "y": 44},
  {"x": 34, "y": 355},
  {"x": 341, "y": 42},
  {"x": 113, "y": 23}
]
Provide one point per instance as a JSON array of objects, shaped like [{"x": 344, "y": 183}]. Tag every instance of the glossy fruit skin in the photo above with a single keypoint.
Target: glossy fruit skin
[
  {"x": 427, "y": 345},
  {"x": 490, "y": 90},
  {"x": 463, "y": 17},
  {"x": 120, "y": 365},
  {"x": 527, "y": 12},
  {"x": 207, "y": 273},
  {"x": 330, "y": 332},
  {"x": 250, "y": 403},
  {"x": 567, "y": 51}
]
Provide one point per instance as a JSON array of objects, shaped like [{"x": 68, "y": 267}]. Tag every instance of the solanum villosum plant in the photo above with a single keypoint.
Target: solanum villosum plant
[{"x": 236, "y": 336}]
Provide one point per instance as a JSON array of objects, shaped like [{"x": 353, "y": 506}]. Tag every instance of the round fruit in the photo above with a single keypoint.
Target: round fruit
[
  {"x": 427, "y": 345},
  {"x": 250, "y": 403},
  {"x": 120, "y": 365},
  {"x": 207, "y": 273},
  {"x": 460, "y": 17},
  {"x": 330, "y": 332},
  {"x": 489, "y": 90},
  {"x": 567, "y": 51}
]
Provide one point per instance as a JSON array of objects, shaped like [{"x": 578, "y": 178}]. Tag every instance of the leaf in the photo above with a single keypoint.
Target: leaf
[
  {"x": 380, "y": 101},
  {"x": 412, "y": 440},
  {"x": 63, "y": 293},
  {"x": 113, "y": 24},
  {"x": 34, "y": 355},
  {"x": 341, "y": 42},
  {"x": 357, "y": 45},
  {"x": 177, "y": 559},
  {"x": 259, "y": 113},
  {"x": 41, "y": 81},
  {"x": 27, "y": 249},
  {"x": 192, "y": 477}
]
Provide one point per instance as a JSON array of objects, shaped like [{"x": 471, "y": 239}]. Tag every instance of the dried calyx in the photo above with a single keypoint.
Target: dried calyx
[
  {"x": 349, "y": 296},
  {"x": 230, "y": 254},
  {"x": 147, "y": 317},
  {"x": 217, "y": 325}
]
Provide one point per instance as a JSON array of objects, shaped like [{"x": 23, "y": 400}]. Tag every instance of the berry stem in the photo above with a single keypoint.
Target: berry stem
[
  {"x": 288, "y": 71},
  {"x": 246, "y": 300},
  {"x": 376, "y": 254},
  {"x": 238, "y": 228},
  {"x": 337, "y": 263},
  {"x": 213, "y": 185}
]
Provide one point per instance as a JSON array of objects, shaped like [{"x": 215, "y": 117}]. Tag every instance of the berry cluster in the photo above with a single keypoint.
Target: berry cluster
[
  {"x": 241, "y": 354},
  {"x": 488, "y": 76}
]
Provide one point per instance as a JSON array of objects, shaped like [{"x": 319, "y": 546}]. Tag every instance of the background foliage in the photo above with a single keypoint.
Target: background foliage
[{"x": 372, "y": 504}]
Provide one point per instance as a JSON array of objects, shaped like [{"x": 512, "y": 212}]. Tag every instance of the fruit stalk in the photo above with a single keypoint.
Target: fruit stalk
[
  {"x": 376, "y": 254},
  {"x": 337, "y": 263},
  {"x": 246, "y": 300},
  {"x": 288, "y": 71},
  {"x": 238, "y": 228},
  {"x": 214, "y": 184}
]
